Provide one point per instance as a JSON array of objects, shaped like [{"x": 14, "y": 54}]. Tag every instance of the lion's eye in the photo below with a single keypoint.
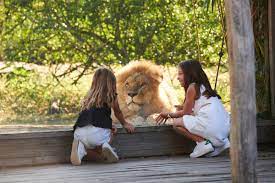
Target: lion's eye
[{"x": 127, "y": 84}]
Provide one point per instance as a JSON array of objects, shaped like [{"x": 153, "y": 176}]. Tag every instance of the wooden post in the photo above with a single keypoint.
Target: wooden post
[
  {"x": 271, "y": 25},
  {"x": 240, "y": 39}
]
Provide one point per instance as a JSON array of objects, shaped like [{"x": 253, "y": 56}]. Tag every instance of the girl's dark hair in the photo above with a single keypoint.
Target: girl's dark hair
[{"x": 193, "y": 73}]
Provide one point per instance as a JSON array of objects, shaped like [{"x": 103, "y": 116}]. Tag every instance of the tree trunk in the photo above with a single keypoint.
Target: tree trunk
[{"x": 243, "y": 150}]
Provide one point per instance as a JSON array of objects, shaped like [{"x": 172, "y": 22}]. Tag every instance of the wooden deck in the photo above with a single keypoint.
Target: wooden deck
[{"x": 154, "y": 169}]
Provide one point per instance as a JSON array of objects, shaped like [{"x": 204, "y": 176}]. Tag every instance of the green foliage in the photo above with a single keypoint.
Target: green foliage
[
  {"x": 27, "y": 92},
  {"x": 89, "y": 33},
  {"x": 96, "y": 32}
]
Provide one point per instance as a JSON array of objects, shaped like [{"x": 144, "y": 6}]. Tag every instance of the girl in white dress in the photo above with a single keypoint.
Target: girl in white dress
[{"x": 202, "y": 117}]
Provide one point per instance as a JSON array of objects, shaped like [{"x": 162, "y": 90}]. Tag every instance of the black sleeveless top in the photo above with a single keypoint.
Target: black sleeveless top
[{"x": 98, "y": 117}]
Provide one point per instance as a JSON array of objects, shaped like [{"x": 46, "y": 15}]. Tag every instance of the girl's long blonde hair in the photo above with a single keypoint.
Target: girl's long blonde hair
[{"x": 102, "y": 91}]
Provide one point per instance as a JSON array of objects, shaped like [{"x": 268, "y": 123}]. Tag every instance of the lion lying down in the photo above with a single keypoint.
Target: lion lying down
[{"x": 142, "y": 92}]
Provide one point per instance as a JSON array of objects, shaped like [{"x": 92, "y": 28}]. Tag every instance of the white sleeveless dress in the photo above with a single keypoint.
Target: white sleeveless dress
[{"x": 210, "y": 120}]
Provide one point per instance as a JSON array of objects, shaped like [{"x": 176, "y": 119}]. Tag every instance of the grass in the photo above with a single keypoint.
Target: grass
[{"x": 27, "y": 97}]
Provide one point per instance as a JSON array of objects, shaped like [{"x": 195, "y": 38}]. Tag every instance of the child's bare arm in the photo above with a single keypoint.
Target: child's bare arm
[
  {"x": 188, "y": 104},
  {"x": 118, "y": 112},
  {"x": 129, "y": 127},
  {"x": 186, "y": 108}
]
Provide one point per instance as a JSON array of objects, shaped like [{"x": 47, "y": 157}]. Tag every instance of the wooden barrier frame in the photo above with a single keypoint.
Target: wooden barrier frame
[{"x": 50, "y": 147}]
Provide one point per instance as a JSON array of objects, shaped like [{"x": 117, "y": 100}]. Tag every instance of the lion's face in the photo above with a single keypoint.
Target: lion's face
[
  {"x": 138, "y": 86},
  {"x": 138, "y": 90}
]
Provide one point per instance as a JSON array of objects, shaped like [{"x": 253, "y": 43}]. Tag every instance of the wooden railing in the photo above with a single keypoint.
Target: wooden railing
[{"x": 50, "y": 147}]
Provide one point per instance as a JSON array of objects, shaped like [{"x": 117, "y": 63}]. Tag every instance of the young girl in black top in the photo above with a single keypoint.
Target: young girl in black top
[{"x": 93, "y": 128}]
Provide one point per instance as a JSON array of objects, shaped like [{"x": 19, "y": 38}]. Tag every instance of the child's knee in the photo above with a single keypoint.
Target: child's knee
[{"x": 178, "y": 122}]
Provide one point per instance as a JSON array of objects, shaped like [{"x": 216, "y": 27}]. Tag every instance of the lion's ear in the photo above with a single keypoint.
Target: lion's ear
[{"x": 157, "y": 74}]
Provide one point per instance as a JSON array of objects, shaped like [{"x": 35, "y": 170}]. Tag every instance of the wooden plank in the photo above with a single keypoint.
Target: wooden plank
[
  {"x": 34, "y": 148},
  {"x": 152, "y": 144},
  {"x": 265, "y": 131},
  {"x": 271, "y": 22},
  {"x": 143, "y": 170},
  {"x": 240, "y": 43},
  {"x": 40, "y": 147},
  {"x": 5, "y": 134},
  {"x": 34, "y": 135}
]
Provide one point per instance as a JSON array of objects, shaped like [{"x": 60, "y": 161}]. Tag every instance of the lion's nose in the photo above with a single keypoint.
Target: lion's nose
[{"x": 132, "y": 94}]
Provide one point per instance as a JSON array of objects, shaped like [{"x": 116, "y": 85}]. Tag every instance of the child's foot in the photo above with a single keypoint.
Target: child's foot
[
  {"x": 78, "y": 152},
  {"x": 109, "y": 154},
  {"x": 201, "y": 149},
  {"x": 219, "y": 150}
]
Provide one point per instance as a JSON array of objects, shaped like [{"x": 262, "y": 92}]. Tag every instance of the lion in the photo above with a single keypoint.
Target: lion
[{"x": 142, "y": 92}]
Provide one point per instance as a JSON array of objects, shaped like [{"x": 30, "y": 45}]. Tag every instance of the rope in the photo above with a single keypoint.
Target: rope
[{"x": 221, "y": 53}]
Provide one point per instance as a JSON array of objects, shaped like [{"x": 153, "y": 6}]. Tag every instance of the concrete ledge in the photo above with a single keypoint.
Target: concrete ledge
[{"x": 49, "y": 147}]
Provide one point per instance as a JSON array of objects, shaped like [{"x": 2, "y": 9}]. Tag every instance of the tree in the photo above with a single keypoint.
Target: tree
[{"x": 88, "y": 33}]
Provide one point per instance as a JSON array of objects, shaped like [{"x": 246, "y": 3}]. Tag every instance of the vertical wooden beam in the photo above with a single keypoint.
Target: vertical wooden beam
[
  {"x": 271, "y": 25},
  {"x": 240, "y": 39}
]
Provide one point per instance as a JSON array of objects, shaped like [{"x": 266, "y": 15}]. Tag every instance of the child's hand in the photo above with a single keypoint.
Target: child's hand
[
  {"x": 161, "y": 118},
  {"x": 114, "y": 129},
  {"x": 129, "y": 127}
]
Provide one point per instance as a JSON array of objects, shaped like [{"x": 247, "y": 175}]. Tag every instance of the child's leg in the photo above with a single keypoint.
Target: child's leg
[
  {"x": 108, "y": 152},
  {"x": 111, "y": 138},
  {"x": 97, "y": 153},
  {"x": 78, "y": 147},
  {"x": 178, "y": 126},
  {"x": 186, "y": 133},
  {"x": 203, "y": 147}
]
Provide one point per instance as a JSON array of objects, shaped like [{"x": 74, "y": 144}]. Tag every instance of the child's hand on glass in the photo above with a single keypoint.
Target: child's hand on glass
[
  {"x": 129, "y": 127},
  {"x": 161, "y": 118}
]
